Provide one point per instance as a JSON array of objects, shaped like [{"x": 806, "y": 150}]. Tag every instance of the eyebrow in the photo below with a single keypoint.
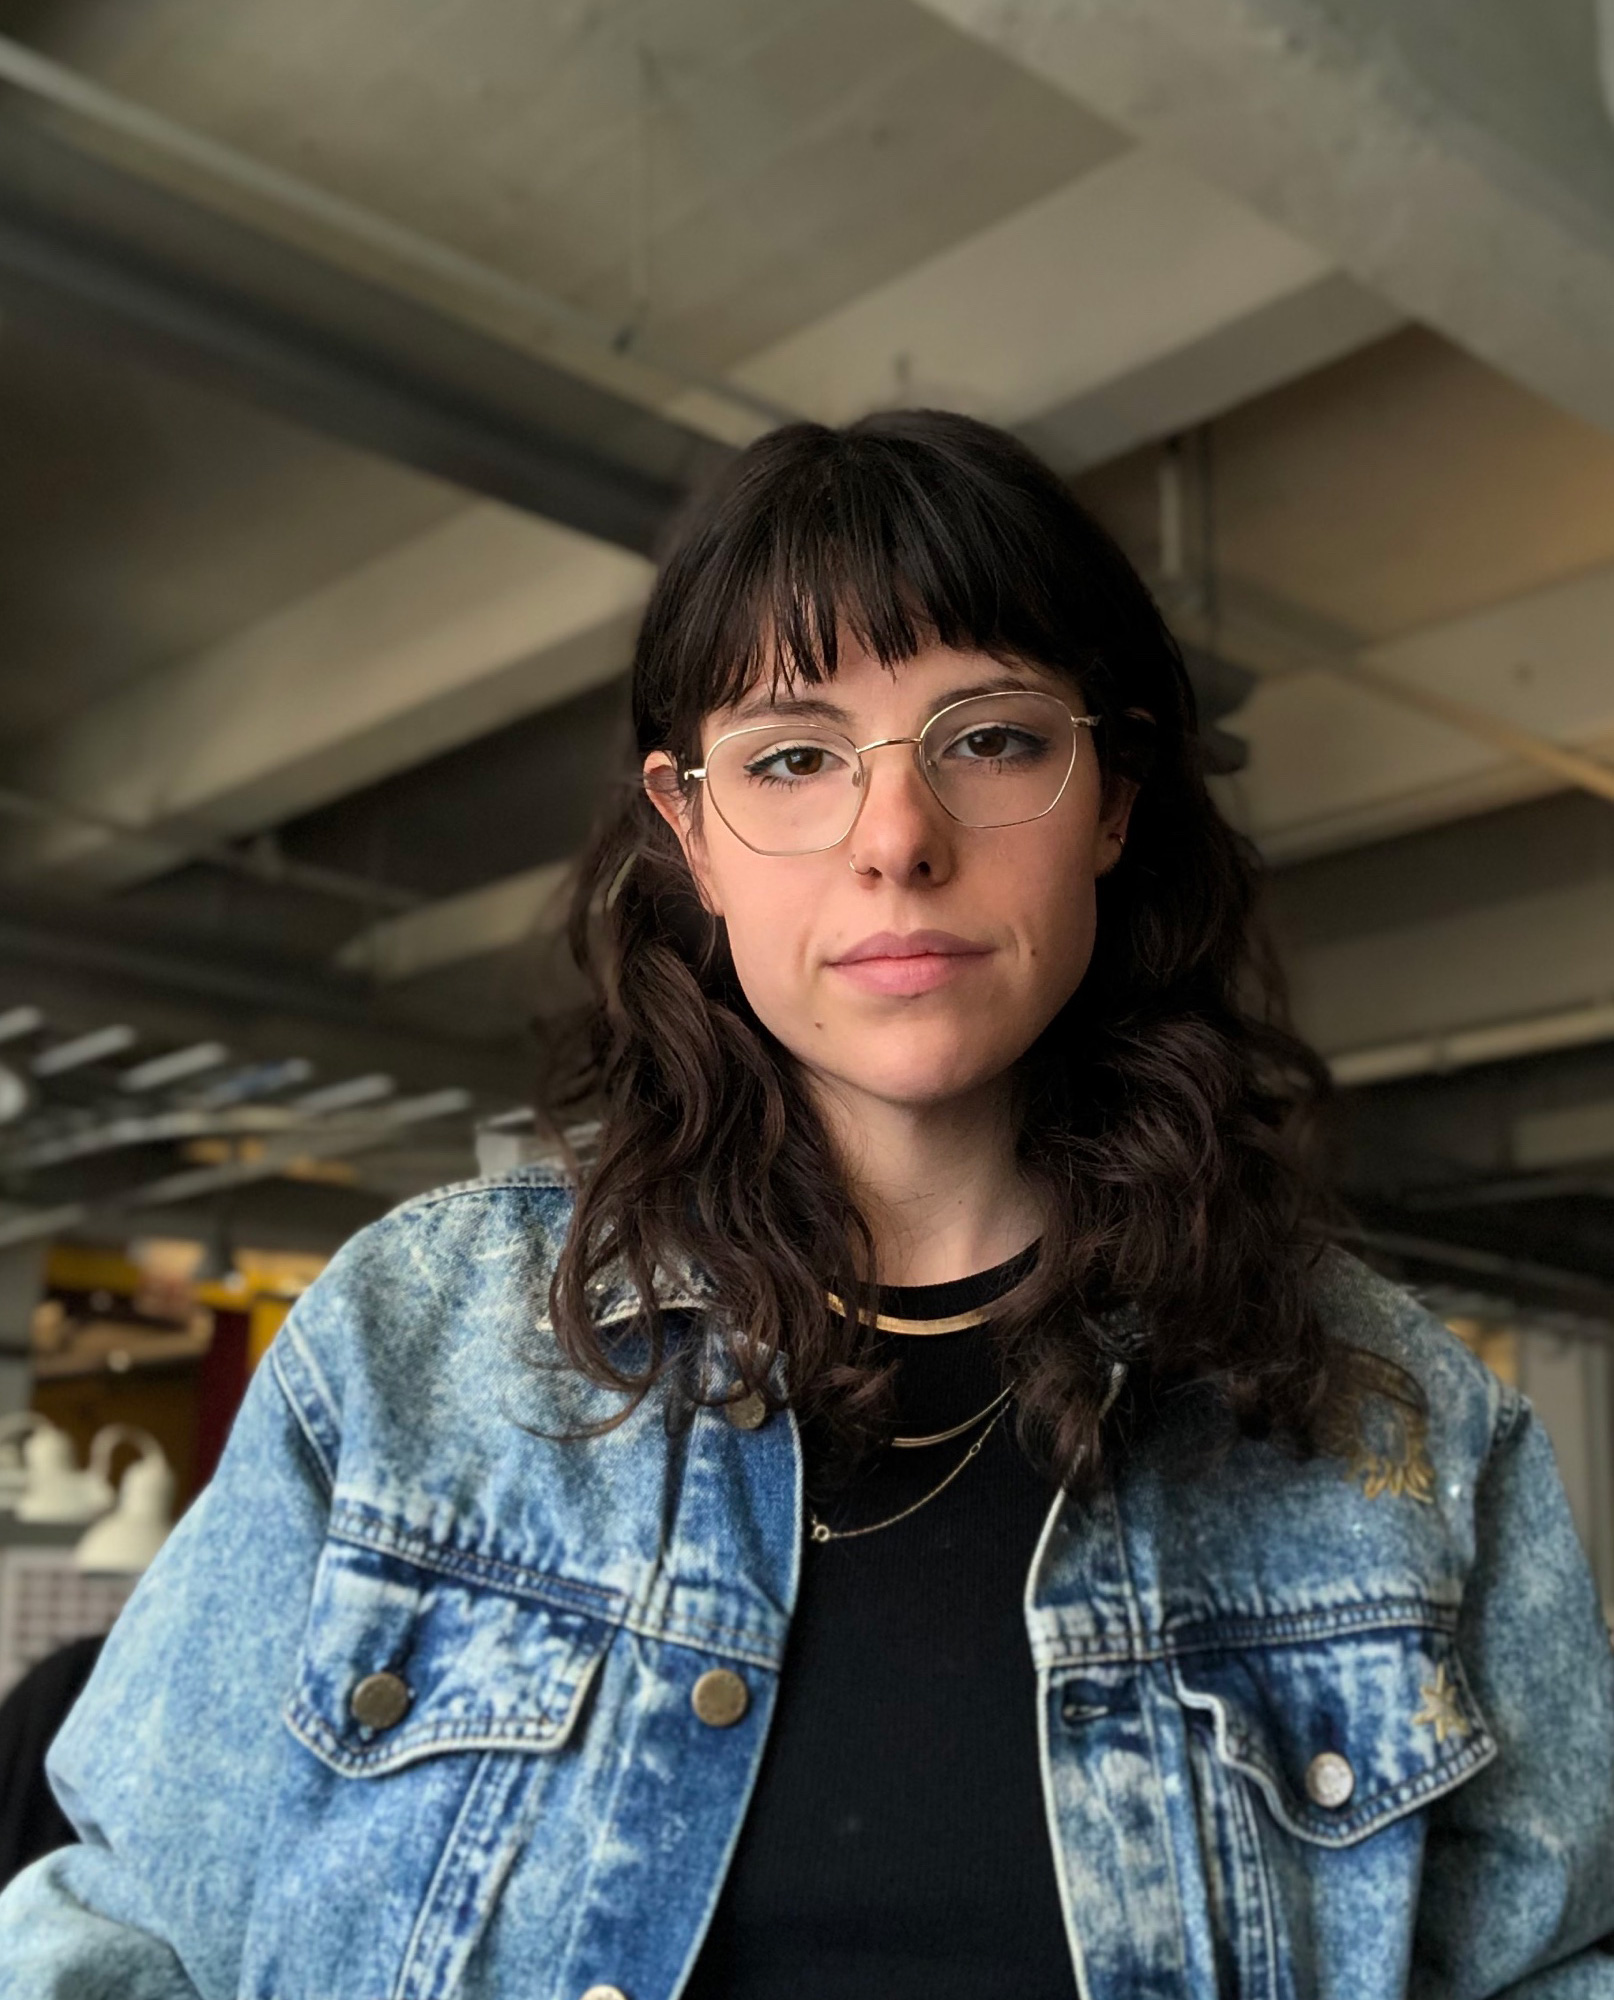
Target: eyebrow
[{"x": 819, "y": 709}]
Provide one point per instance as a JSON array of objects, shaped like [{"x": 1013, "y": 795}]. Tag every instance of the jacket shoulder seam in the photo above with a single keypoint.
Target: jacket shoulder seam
[
  {"x": 534, "y": 1180},
  {"x": 1513, "y": 1412},
  {"x": 309, "y": 1429}
]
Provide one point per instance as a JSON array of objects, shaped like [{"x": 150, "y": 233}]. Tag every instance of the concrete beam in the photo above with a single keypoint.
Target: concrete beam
[
  {"x": 496, "y": 917},
  {"x": 1458, "y": 945},
  {"x": 1277, "y": 340},
  {"x": 489, "y": 616},
  {"x": 1335, "y": 762},
  {"x": 1333, "y": 140},
  {"x": 102, "y": 254},
  {"x": 1134, "y": 301},
  {"x": 1388, "y": 1002}
]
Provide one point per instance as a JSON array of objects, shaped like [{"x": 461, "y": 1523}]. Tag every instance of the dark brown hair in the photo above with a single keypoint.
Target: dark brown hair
[{"x": 1158, "y": 1112}]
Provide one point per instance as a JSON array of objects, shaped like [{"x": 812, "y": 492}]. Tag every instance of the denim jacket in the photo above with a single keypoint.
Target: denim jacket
[{"x": 1320, "y": 1728}]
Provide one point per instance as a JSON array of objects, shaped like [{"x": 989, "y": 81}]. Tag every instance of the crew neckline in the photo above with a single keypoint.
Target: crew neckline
[{"x": 956, "y": 1295}]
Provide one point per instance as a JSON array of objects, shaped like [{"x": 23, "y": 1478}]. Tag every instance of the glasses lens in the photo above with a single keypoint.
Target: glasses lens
[
  {"x": 784, "y": 791},
  {"x": 1000, "y": 758}
]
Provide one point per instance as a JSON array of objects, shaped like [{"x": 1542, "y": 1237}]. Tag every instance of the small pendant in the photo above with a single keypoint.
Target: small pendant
[{"x": 818, "y": 1533}]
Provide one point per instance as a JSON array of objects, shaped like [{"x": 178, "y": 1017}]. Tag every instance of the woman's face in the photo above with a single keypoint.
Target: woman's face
[{"x": 919, "y": 959}]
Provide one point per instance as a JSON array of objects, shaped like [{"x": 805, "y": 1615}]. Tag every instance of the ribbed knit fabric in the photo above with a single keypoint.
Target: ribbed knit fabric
[{"x": 896, "y": 1846}]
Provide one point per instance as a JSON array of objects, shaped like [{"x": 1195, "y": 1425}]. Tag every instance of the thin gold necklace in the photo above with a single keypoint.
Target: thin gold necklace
[
  {"x": 954, "y": 1323},
  {"x": 958, "y": 1430},
  {"x": 819, "y": 1532}
]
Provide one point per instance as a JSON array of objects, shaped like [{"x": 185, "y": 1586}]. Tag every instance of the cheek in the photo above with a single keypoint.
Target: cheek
[
  {"x": 1058, "y": 954},
  {"x": 1050, "y": 900},
  {"x": 769, "y": 916}
]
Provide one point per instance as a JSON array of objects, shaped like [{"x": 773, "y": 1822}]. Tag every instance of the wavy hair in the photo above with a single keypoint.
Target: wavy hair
[{"x": 1160, "y": 1115}]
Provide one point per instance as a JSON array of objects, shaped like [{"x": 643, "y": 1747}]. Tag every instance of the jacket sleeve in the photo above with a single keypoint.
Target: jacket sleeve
[
  {"x": 1518, "y": 1884},
  {"x": 166, "y": 1763}
]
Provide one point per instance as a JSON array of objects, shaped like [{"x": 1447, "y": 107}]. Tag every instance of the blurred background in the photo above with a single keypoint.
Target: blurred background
[{"x": 352, "y": 359}]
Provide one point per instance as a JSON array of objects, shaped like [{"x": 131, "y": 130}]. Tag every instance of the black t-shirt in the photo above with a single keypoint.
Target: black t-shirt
[{"x": 897, "y": 1844}]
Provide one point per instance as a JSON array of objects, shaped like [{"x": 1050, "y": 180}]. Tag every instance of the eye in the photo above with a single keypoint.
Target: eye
[
  {"x": 997, "y": 743},
  {"x": 792, "y": 763}
]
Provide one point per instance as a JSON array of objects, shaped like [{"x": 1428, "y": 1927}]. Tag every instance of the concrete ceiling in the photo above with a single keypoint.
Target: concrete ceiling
[
  {"x": 1372, "y": 132},
  {"x": 717, "y": 171},
  {"x": 1411, "y": 507},
  {"x": 1366, "y": 251}
]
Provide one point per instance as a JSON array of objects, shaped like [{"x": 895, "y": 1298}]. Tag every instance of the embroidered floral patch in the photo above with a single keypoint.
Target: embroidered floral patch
[{"x": 1396, "y": 1460}]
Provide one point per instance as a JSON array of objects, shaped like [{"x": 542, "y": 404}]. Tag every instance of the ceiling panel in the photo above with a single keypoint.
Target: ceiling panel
[
  {"x": 727, "y": 169},
  {"x": 1402, "y": 486}
]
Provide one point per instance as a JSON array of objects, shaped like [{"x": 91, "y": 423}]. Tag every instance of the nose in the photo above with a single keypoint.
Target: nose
[{"x": 901, "y": 832}]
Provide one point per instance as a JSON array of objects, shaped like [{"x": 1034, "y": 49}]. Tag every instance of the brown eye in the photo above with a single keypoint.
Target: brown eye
[
  {"x": 996, "y": 743},
  {"x": 792, "y": 764}
]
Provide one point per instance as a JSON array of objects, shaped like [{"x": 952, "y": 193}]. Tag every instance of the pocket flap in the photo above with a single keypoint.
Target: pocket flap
[
  {"x": 1343, "y": 1734},
  {"x": 468, "y": 1667}
]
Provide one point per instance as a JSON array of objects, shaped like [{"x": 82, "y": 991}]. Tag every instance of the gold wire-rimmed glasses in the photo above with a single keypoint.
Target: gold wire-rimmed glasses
[{"x": 990, "y": 760}]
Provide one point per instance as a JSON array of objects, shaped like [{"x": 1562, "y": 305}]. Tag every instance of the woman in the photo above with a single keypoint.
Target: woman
[{"x": 926, "y": 1516}]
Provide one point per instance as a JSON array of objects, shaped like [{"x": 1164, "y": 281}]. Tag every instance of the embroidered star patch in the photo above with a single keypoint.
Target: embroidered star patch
[{"x": 1440, "y": 1710}]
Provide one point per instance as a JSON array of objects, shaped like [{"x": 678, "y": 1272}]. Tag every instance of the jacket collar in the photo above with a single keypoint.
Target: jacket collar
[{"x": 614, "y": 1299}]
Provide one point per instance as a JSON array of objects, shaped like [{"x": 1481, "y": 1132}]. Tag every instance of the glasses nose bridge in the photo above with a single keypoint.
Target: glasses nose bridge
[{"x": 862, "y": 777}]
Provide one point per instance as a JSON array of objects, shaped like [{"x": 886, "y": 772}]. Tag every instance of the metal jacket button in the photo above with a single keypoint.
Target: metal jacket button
[
  {"x": 380, "y": 1700},
  {"x": 605, "y": 1993},
  {"x": 720, "y": 1698},
  {"x": 748, "y": 1412},
  {"x": 1329, "y": 1780}
]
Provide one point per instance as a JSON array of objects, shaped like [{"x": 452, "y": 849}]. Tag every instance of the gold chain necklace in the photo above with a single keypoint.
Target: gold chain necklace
[
  {"x": 891, "y": 1323},
  {"x": 958, "y": 1430},
  {"x": 819, "y": 1532},
  {"x": 953, "y": 1323}
]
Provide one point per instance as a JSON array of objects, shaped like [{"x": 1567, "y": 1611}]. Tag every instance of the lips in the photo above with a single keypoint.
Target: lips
[{"x": 908, "y": 963}]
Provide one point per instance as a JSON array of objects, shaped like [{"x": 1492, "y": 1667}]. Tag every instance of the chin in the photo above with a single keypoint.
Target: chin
[{"x": 915, "y": 1075}]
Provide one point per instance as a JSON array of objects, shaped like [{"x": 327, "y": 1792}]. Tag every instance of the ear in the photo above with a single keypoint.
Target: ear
[
  {"x": 1120, "y": 795},
  {"x": 666, "y": 793}
]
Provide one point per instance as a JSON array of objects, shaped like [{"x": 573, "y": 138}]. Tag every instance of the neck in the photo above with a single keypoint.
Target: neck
[{"x": 938, "y": 1184}]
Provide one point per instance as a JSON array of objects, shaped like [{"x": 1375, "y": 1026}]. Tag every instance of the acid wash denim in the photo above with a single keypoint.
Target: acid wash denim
[{"x": 550, "y": 1814}]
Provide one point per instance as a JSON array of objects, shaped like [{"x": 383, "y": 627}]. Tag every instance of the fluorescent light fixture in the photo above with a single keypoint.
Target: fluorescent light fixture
[
  {"x": 174, "y": 1068},
  {"x": 346, "y": 1096},
  {"x": 14, "y": 1095},
  {"x": 16, "y": 1022},
  {"x": 84, "y": 1049}
]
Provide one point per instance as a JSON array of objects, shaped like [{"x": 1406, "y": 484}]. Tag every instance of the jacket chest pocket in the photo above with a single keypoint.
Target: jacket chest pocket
[
  {"x": 443, "y": 1716},
  {"x": 1312, "y": 1762}
]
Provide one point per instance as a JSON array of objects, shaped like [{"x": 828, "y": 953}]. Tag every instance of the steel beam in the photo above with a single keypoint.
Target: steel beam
[{"x": 89, "y": 248}]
